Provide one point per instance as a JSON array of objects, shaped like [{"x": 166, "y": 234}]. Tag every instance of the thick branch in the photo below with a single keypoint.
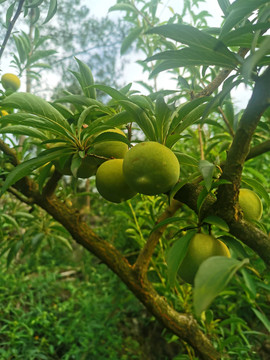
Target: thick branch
[
  {"x": 259, "y": 150},
  {"x": 227, "y": 194}
]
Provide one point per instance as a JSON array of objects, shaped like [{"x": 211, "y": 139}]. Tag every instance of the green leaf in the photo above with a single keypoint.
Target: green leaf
[
  {"x": 252, "y": 60},
  {"x": 11, "y": 220},
  {"x": 79, "y": 100},
  {"x": 82, "y": 118},
  {"x": 238, "y": 11},
  {"x": 263, "y": 318},
  {"x": 191, "y": 36},
  {"x": 51, "y": 11},
  {"x": 224, "y": 4},
  {"x": 235, "y": 245},
  {"x": 33, "y": 121},
  {"x": 23, "y": 130},
  {"x": 40, "y": 54},
  {"x": 35, "y": 105},
  {"x": 115, "y": 94},
  {"x": 28, "y": 166},
  {"x": 20, "y": 45},
  {"x": 187, "y": 121},
  {"x": 86, "y": 80},
  {"x": 132, "y": 36},
  {"x": 33, "y": 3},
  {"x": 140, "y": 117},
  {"x": 189, "y": 57},
  {"x": 166, "y": 222},
  {"x": 183, "y": 111},
  {"x": 211, "y": 278},
  {"x": 217, "y": 221},
  {"x": 123, "y": 7},
  {"x": 244, "y": 36},
  {"x": 9, "y": 13},
  {"x": 163, "y": 118},
  {"x": 64, "y": 241},
  {"x": 111, "y": 136},
  {"x": 176, "y": 255},
  {"x": 185, "y": 159},
  {"x": 207, "y": 170},
  {"x": 119, "y": 119}
]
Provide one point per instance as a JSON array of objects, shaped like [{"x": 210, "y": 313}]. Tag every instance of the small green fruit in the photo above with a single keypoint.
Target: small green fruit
[
  {"x": 10, "y": 82},
  {"x": 88, "y": 167},
  {"x": 151, "y": 168},
  {"x": 250, "y": 204},
  {"x": 110, "y": 182},
  {"x": 111, "y": 149},
  {"x": 201, "y": 247}
]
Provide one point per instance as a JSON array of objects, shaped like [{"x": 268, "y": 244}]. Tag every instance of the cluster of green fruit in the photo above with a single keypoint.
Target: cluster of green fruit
[
  {"x": 203, "y": 246},
  {"x": 148, "y": 168}
]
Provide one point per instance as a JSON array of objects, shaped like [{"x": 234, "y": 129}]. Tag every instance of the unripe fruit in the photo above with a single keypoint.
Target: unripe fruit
[
  {"x": 10, "y": 82},
  {"x": 201, "y": 247},
  {"x": 151, "y": 168},
  {"x": 111, "y": 149},
  {"x": 250, "y": 204},
  {"x": 110, "y": 181},
  {"x": 87, "y": 168}
]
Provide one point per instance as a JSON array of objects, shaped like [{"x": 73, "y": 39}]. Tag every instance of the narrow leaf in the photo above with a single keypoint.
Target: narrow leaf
[
  {"x": 176, "y": 255},
  {"x": 86, "y": 80},
  {"x": 132, "y": 36},
  {"x": 51, "y": 11},
  {"x": 217, "y": 221},
  {"x": 28, "y": 166},
  {"x": 262, "y": 317},
  {"x": 207, "y": 170}
]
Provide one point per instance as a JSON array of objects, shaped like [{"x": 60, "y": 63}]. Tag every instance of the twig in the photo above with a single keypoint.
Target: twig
[
  {"x": 259, "y": 150},
  {"x": 9, "y": 152},
  {"x": 144, "y": 258},
  {"x": 10, "y": 27},
  {"x": 51, "y": 185},
  {"x": 224, "y": 117}
]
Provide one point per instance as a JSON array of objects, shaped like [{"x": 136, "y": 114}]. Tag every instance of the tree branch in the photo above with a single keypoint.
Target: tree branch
[
  {"x": 10, "y": 26},
  {"x": 11, "y": 153},
  {"x": 222, "y": 75},
  {"x": 258, "y": 150},
  {"x": 227, "y": 194}
]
